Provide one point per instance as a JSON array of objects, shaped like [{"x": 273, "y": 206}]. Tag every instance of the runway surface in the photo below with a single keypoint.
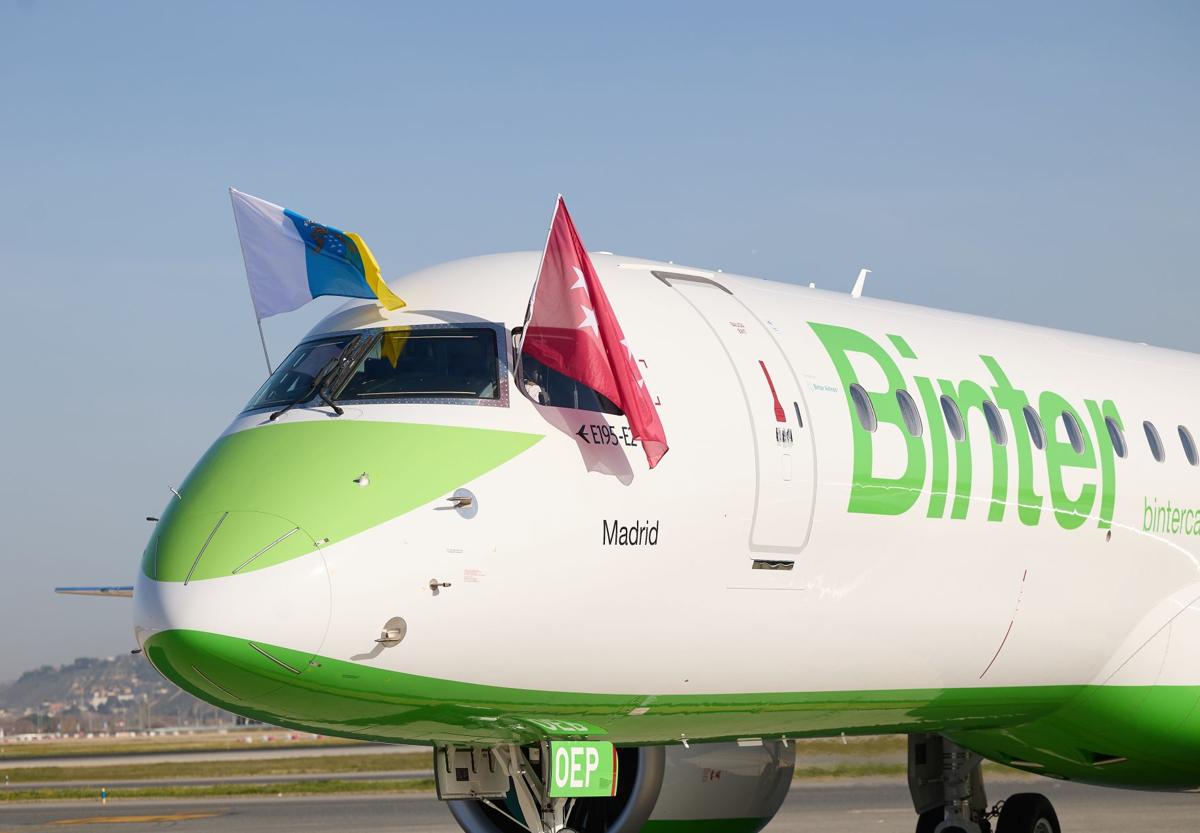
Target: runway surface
[{"x": 834, "y": 807}]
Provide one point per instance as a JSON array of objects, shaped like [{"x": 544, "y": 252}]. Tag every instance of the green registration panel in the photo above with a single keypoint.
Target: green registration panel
[{"x": 582, "y": 769}]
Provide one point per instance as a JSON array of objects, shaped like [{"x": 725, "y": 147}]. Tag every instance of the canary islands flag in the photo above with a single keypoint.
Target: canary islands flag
[{"x": 291, "y": 259}]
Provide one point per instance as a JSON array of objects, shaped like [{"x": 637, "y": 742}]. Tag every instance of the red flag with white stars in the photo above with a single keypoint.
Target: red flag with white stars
[{"x": 571, "y": 328}]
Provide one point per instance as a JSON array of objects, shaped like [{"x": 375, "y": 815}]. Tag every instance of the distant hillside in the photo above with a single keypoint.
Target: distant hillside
[{"x": 122, "y": 692}]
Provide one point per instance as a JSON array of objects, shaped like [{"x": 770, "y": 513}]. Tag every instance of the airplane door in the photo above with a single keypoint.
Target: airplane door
[{"x": 775, "y": 407}]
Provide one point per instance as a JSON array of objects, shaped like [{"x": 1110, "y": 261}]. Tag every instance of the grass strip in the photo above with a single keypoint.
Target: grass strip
[
  {"x": 859, "y": 745},
  {"x": 164, "y": 746},
  {"x": 332, "y": 785},
  {"x": 332, "y": 764},
  {"x": 882, "y": 769},
  {"x": 849, "y": 771}
]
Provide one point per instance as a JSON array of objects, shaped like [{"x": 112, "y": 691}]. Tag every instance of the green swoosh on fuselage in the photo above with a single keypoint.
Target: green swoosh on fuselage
[
  {"x": 1154, "y": 729},
  {"x": 280, "y": 491}
]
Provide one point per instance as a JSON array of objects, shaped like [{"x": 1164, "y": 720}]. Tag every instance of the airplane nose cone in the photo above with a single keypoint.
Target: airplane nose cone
[
  {"x": 232, "y": 639},
  {"x": 231, "y": 601},
  {"x": 233, "y": 598},
  {"x": 204, "y": 571}
]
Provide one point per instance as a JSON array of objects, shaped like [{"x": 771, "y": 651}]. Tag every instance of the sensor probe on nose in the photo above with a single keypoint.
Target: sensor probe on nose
[{"x": 122, "y": 591}]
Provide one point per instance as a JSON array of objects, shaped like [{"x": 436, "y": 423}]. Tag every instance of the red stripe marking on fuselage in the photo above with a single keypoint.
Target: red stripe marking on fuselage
[{"x": 780, "y": 414}]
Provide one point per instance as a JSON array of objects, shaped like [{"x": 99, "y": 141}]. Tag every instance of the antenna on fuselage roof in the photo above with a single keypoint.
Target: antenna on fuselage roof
[{"x": 856, "y": 292}]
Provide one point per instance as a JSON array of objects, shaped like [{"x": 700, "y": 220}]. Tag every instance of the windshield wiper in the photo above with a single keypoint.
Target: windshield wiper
[{"x": 318, "y": 386}]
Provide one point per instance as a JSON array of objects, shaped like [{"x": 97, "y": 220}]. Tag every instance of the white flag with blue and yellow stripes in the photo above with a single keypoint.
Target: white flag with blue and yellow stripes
[{"x": 291, "y": 259}]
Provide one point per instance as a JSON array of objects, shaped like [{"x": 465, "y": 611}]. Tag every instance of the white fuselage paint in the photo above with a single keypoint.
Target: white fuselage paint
[{"x": 538, "y": 600}]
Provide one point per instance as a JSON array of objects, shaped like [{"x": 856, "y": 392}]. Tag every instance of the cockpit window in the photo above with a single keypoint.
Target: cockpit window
[
  {"x": 426, "y": 363},
  {"x": 299, "y": 370},
  {"x": 546, "y": 386},
  {"x": 421, "y": 363}
]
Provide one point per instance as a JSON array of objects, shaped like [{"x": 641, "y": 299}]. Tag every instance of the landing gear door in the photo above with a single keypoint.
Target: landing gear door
[{"x": 775, "y": 408}]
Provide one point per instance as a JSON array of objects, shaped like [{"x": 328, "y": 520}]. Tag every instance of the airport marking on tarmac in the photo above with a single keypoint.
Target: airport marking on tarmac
[{"x": 150, "y": 819}]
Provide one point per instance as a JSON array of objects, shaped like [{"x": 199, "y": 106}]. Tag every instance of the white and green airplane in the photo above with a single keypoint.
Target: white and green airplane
[{"x": 874, "y": 518}]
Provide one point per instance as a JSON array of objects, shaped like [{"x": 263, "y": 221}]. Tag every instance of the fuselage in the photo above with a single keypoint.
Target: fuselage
[{"x": 785, "y": 571}]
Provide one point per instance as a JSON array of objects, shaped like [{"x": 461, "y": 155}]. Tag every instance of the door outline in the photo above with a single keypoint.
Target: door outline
[{"x": 669, "y": 278}]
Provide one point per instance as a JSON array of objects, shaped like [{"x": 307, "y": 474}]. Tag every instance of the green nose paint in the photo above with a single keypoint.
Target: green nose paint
[{"x": 269, "y": 494}]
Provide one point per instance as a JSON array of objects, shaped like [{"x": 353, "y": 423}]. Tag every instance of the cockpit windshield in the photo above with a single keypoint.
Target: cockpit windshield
[
  {"x": 299, "y": 370},
  {"x": 418, "y": 363},
  {"x": 427, "y": 363}
]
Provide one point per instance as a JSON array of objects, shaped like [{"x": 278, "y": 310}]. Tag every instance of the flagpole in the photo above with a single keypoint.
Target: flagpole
[
  {"x": 558, "y": 201},
  {"x": 263, "y": 339},
  {"x": 258, "y": 321}
]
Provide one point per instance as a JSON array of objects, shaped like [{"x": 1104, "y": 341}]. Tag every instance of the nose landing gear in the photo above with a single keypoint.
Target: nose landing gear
[{"x": 947, "y": 791}]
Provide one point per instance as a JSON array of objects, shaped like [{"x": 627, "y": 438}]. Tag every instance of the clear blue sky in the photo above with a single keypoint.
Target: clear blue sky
[{"x": 1026, "y": 160}]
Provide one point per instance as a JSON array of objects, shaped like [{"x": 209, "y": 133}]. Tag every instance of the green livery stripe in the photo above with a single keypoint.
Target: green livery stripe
[
  {"x": 1156, "y": 729},
  {"x": 347, "y": 697},
  {"x": 272, "y": 493},
  {"x": 704, "y": 826},
  {"x": 1145, "y": 736}
]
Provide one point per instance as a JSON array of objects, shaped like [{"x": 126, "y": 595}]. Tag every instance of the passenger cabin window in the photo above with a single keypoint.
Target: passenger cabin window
[
  {"x": 995, "y": 424},
  {"x": 1155, "y": 442},
  {"x": 295, "y": 376},
  {"x": 863, "y": 407},
  {"x": 1117, "y": 436},
  {"x": 1074, "y": 435},
  {"x": 426, "y": 363},
  {"x": 1189, "y": 446},
  {"x": 1034, "y": 422},
  {"x": 546, "y": 386},
  {"x": 909, "y": 413},
  {"x": 954, "y": 419}
]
